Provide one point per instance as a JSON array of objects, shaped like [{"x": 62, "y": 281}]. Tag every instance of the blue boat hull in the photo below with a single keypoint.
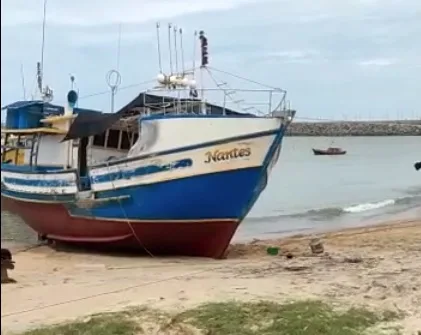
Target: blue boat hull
[
  {"x": 224, "y": 195},
  {"x": 195, "y": 215}
]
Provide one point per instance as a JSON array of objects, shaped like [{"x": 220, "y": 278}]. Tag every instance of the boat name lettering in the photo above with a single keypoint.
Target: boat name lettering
[{"x": 225, "y": 155}]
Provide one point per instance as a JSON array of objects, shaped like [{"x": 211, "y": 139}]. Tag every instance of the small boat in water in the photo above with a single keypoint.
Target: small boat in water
[
  {"x": 183, "y": 181},
  {"x": 329, "y": 151}
]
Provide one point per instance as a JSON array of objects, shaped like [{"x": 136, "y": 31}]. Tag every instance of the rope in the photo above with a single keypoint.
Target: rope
[
  {"x": 129, "y": 223},
  {"x": 127, "y": 288},
  {"x": 110, "y": 292},
  {"x": 28, "y": 248}
]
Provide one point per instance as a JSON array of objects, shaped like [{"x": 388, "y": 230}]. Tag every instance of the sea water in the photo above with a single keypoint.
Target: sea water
[{"x": 375, "y": 181}]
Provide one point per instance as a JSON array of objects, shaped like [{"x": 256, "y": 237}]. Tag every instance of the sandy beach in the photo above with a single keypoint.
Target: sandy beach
[{"x": 378, "y": 267}]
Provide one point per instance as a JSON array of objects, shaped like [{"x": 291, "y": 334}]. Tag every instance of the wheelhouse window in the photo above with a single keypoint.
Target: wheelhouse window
[
  {"x": 115, "y": 139},
  {"x": 125, "y": 140},
  {"x": 99, "y": 140}
]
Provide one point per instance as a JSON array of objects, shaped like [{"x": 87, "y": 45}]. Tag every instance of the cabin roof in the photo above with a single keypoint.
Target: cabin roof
[
  {"x": 47, "y": 107},
  {"x": 92, "y": 123},
  {"x": 25, "y": 104}
]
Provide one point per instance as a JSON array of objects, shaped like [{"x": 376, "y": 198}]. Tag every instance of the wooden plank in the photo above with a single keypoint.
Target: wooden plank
[{"x": 28, "y": 131}]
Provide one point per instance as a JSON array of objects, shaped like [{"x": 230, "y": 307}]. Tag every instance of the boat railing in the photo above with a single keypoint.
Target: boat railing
[{"x": 259, "y": 102}]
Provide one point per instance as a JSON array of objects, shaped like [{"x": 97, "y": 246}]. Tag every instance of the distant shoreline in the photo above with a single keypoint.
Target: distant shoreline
[{"x": 356, "y": 128}]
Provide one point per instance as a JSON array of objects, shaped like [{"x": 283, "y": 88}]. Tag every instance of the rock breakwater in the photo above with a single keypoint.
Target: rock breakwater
[{"x": 356, "y": 128}]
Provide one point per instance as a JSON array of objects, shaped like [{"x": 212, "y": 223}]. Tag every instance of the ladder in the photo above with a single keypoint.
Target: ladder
[{"x": 35, "y": 141}]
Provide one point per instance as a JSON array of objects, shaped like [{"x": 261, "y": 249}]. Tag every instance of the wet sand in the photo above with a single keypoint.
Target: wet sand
[{"x": 378, "y": 267}]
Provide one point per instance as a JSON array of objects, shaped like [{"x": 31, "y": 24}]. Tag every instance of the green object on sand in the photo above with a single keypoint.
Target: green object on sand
[{"x": 273, "y": 251}]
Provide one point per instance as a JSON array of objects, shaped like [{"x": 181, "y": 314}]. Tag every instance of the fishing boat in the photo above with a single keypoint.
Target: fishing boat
[
  {"x": 331, "y": 151},
  {"x": 187, "y": 172}
]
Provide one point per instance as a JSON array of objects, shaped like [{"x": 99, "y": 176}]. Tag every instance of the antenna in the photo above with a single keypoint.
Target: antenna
[
  {"x": 113, "y": 79},
  {"x": 72, "y": 82},
  {"x": 194, "y": 50},
  {"x": 159, "y": 47},
  {"x": 39, "y": 77},
  {"x": 119, "y": 46},
  {"x": 182, "y": 50},
  {"x": 175, "y": 47},
  {"x": 22, "y": 75},
  {"x": 41, "y": 65},
  {"x": 169, "y": 44}
]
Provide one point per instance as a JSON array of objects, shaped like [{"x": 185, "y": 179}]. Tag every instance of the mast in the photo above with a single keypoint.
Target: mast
[
  {"x": 22, "y": 76},
  {"x": 204, "y": 62},
  {"x": 41, "y": 66}
]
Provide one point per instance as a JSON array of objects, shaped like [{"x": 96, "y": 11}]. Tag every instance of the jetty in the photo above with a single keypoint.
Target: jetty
[{"x": 356, "y": 128}]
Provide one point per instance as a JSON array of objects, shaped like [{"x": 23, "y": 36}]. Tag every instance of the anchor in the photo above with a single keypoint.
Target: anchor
[{"x": 6, "y": 264}]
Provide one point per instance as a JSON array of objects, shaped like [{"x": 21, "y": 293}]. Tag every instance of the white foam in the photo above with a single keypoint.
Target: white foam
[{"x": 369, "y": 206}]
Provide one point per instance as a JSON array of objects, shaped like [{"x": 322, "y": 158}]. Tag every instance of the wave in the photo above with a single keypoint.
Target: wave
[
  {"x": 369, "y": 206},
  {"x": 329, "y": 213},
  {"x": 413, "y": 190}
]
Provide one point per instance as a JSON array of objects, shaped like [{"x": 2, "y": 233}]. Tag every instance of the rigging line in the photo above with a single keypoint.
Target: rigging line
[
  {"x": 249, "y": 80},
  {"x": 227, "y": 95},
  {"x": 121, "y": 88}
]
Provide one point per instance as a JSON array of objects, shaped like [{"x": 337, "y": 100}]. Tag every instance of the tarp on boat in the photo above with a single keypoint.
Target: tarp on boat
[{"x": 90, "y": 123}]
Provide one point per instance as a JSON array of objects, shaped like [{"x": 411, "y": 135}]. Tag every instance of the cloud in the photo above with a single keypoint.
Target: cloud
[
  {"x": 91, "y": 13},
  {"x": 330, "y": 55},
  {"x": 378, "y": 62},
  {"x": 294, "y": 56}
]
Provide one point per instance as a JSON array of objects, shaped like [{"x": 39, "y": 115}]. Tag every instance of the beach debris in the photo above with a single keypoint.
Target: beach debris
[
  {"x": 316, "y": 246},
  {"x": 6, "y": 264},
  {"x": 272, "y": 251},
  {"x": 289, "y": 255},
  {"x": 296, "y": 268},
  {"x": 353, "y": 260}
]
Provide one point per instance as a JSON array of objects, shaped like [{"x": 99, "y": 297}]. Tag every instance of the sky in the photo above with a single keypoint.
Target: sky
[{"x": 350, "y": 59}]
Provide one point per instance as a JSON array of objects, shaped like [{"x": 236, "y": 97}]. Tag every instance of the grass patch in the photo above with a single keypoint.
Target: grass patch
[
  {"x": 269, "y": 318},
  {"x": 105, "y": 324},
  {"x": 230, "y": 318}
]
